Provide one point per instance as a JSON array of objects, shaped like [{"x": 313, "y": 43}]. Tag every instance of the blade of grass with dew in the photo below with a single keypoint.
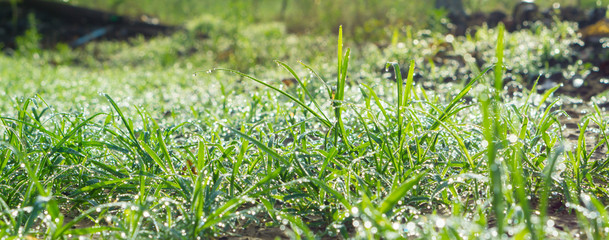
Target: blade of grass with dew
[
  {"x": 409, "y": 83},
  {"x": 492, "y": 128},
  {"x": 460, "y": 141},
  {"x": 319, "y": 117},
  {"x": 38, "y": 206},
  {"x": 518, "y": 182},
  {"x": 369, "y": 135},
  {"x": 123, "y": 119},
  {"x": 90, "y": 230},
  {"x": 222, "y": 212},
  {"x": 339, "y": 97},
  {"x": 270, "y": 151},
  {"x": 186, "y": 190},
  {"x": 133, "y": 138},
  {"x": 339, "y": 196},
  {"x": 155, "y": 157},
  {"x": 581, "y": 145},
  {"x": 237, "y": 165},
  {"x": 400, "y": 104},
  {"x": 328, "y": 157},
  {"x": 377, "y": 100},
  {"x": 546, "y": 95},
  {"x": 499, "y": 65},
  {"x": 605, "y": 139},
  {"x": 447, "y": 111},
  {"x": 102, "y": 184},
  {"x": 399, "y": 192},
  {"x": 163, "y": 147},
  {"x": 384, "y": 145},
  {"x": 324, "y": 83},
  {"x": 300, "y": 228},
  {"x": 494, "y": 168},
  {"x": 302, "y": 86},
  {"x": 547, "y": 184}
]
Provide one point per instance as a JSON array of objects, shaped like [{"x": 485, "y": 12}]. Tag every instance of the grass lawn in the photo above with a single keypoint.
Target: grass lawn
[{"x": 257, "y": 131}]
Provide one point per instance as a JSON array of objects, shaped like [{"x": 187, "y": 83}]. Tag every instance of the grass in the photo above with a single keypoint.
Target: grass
[{"x": 122, "y": 141}]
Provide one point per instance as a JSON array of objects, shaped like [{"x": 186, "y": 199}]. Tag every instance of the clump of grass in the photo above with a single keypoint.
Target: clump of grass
[{"x": 321, "y": 159}]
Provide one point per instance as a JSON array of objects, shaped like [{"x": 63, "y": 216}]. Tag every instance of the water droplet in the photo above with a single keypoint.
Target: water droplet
[
  {"x": 512, "y": 138},
  {"x": 367, "y": 224}
]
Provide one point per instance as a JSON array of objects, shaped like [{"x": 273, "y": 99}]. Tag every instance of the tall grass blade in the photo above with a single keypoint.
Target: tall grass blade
[
  {"x": 124, "y": 120},
  {"x": 409, "y": 84},
  {"x": 518, "y": 180},
  {"x": 492, "y": 124},
  {"x": 339, "y": 97},
  {"x": 547, "y": 180},
  {"x": 499, "y": 65}
]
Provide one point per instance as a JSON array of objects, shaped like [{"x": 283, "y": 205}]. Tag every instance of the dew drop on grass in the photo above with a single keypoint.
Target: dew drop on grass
[
  {"x": 512, "y": 138},
  {"x": 410, "y": 227},
  {"x": 440, "y": 223},
  {"x": 367, "y": 224}
]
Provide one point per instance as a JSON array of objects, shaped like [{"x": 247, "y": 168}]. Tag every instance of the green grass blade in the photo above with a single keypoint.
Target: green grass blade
[
  {"x": 300, "y": 83},
  {"x": 457, "y": 99},
  {"x": 339, "y": 196},
  {"x": 340, "y": 50},
  {"x": 499, "y": 65},
  {"x": 409, "y": 83},
  {"x": 323, "y": 82},
  {"x": 302, "y": 228},
  {"x": 459, "y": 139},
  {"x": 547, "y": 179},
  {"x": 90, "y": 230},
  {"x": 155, "y": 157},
  {"x": 225, "y": 210},
  {"x": 102, "y": 184},
  {"x": 66, "y": 227},
  {"x": 323, "y": 120},
  {"x": 399, "y": 192},
  {"x": 270, "y": 151},
  {"x": 260, "y": 145},
  {"x": 124, "y": 120}
]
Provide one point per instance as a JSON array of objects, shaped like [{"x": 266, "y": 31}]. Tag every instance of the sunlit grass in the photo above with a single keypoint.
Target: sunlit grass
[{"x": 141, "y": 151}]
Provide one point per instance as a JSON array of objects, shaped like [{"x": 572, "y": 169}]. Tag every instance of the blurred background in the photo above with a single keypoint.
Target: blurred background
[
  {"x": 363, "y": 20},
  {"x": 313, "y": 15}
]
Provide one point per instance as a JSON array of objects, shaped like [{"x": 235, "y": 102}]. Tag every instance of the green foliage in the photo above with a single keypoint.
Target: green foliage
[{"x": 120, "y": 140}]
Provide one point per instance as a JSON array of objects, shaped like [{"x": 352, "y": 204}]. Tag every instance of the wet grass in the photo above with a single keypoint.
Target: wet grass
[{"x": 122, "y": 141}]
